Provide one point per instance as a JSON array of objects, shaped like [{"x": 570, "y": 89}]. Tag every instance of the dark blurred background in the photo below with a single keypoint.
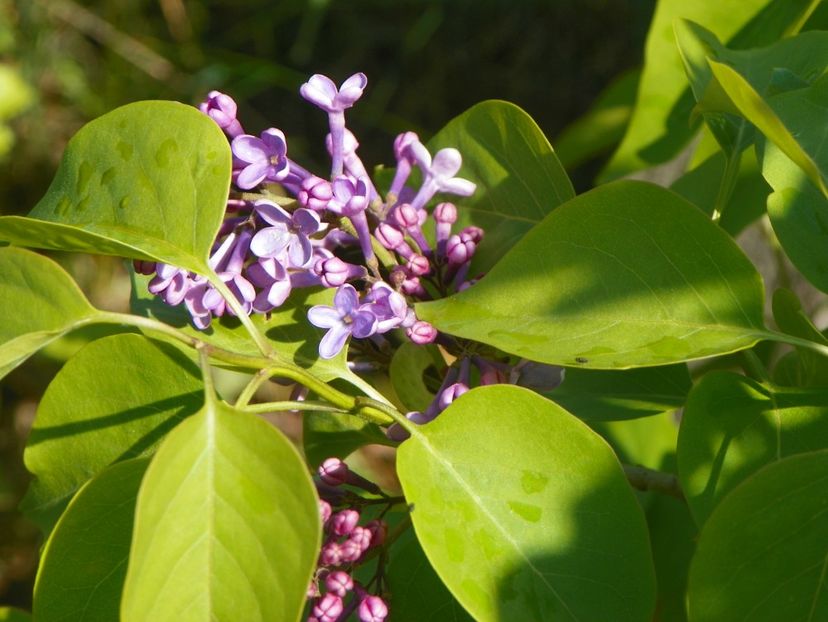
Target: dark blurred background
[{"x": 64, "y": 62}]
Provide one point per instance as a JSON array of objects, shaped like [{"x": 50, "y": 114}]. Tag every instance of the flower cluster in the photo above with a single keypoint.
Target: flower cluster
[
  {"x": 333, "y": 592},
  {"x": 287, "y": 228}
]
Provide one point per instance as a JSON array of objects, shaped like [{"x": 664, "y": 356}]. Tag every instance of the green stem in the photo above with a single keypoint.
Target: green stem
[
  {"x": 728, "y": 183},
  {"x": 261, "y": 376},
  {"x": 754, "y": 366},
  {"x": 309, "y": 405},
  {"x": 235, "y": 305},
  {"x": 207, "y": 376},
  {"x": 819, "y": 348}
]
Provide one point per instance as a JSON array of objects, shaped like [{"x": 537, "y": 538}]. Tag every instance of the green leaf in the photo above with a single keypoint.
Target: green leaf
[
  {"x": 603, "y": 395},
  {"x": 226, "y": 526},
  {"x": 511, "y": 498},
  {"x": 762, "y": 554},
  {"x": 408, "y": 364},
  {"x": 626, "y": 275},
  {"x": 84, "y": 563},
  {"x": 148, "y": 180},
  {"x": 325, "y": 435},
  {"x": 811, "y": 369},
  {"x": 417, "y": 593},
  {"x": 39, "y": 302},
  {"x": 759, "y": 112},
  {"x": 519, "y": 178},
  {"x": 113, "y": 400},
  {"x": 658, "y": 129},
  {"x": 797, "y": 208},
  {"x": 10, "y": 614},
  {"x": 733, "y": 426}
]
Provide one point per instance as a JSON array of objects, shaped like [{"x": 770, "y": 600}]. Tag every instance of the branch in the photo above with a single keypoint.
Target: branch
[{"x": 646, "y": 479}]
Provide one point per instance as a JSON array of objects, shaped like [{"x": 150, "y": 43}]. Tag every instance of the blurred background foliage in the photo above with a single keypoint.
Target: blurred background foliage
[{"x": 65, "y": 62}]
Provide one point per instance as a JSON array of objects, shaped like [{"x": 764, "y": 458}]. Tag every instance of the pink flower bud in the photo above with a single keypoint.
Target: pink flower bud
[
  {"x": 422, "y": 333},
  {"x": 339, "y": 582},
  {"x": 419, "y": 265},
  {"x": 328, "y": 608},
  {"x": 331, "y": 554},
  {"x": 344, "y": 522},
  {"x": 445, "y": 213},
  {"x": 459, "y": 250},
  {"x": 324, "y": 511},
  {"x": 315, "y": 193},
  {"x": 406, "y": 217},
  {"x": 333, "y": 471},
  {"x": 372, "y": 609},
  {"x": 389, "y": 236},
  {"x": 475, "y": 234}
]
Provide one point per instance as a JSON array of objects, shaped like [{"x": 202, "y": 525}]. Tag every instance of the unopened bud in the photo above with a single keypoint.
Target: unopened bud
[
  {"x": 422, "y": 333},
  {"x": 328, "y": 608},
  {"x": 372, "y": 609},
  {"x": 339, "y": 582},
  {"x": 333, "y": 472}
]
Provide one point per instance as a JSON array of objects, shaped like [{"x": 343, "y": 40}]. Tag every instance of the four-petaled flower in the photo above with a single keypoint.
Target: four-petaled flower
[
  {"x": 343, "y": 319},
  {"x": 264, "y": 158},
  {"x": 288, "y": 233},
  {"x": 439, "y": 173},
  {"x": 321, "y": 91}
]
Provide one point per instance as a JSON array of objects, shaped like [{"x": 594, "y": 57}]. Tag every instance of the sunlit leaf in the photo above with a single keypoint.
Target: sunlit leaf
[
  {"x": 626, "y": 275},
  {"x": 148, "y": 180},
  {"x": 524, "y": 512},
  {"x": 115, "y": 399},
  {"x": 39, "y": 302},
  {"x": 226, "y": 525},
  {"x": 519, "y": 178}
]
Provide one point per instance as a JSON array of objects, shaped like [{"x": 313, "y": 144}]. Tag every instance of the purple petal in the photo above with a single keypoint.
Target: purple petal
[
  {"x": 346, "y": 300},
  {"x": 446, "y": 162},
  {"x": 272, "y": 213},
  {"x": 350, "y": 91},
  {"x": 252, "y": 175},
  {"x": 278, "y": 292},
  {"x": 300, "y": 251},
  {"x": 270, "y": 242},
  {"x": 274, "y": 141},
  {"x": 323, "y": 316},
  {"x": 458, "y": 186},
  {"x": 319, "y": 90},
  {"x": 364, "y": 324},
  {"x": 421, "y": 155},
  {"x": 306, "y": 220},
  {"x": 244, "y": 290},
  {"x": 212, "y": 299},
  {"x": 343, "y": 189},
  {"x": 261, "y": 304},
  {"x": 249, "y": 148},
  {"x": 333, "y": 341},
  {"x": 265, "y": 271}
]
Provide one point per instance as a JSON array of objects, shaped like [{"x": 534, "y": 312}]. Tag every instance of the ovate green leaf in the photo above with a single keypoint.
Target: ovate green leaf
[
  {"x": 519, "y": 178},
  {"x": 115, "y": 399},
  {"x": 148, "y": 180},
  {"x": 762, "y": 553},
  {"x": 524, "y": 512},
  {"x": 84, "y": 563},
  {"x": 733, "y": 426},
  {"x": 626, "y": 275},
  {"x": 39, "y": 302},
  {"x": 226, "y": 525}
]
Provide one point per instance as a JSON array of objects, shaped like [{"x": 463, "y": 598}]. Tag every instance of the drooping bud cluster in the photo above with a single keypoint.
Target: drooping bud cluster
[
  {"x": 287, "y": 228},
  {"x": 334, "y": 593}
]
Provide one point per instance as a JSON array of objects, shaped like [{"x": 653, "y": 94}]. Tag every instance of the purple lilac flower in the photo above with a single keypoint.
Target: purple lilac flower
[
  {"x": 263, "y": 158},
  {"x": 270, "y": 275},
  {"x": 388, "y": 306},
  {"x": 288, "y": 233},
  {"x": 351, "y": 197},
  {"x": 322, "y": 92},
  {"x": 171, "y": 283},
  {"x": 405, "y": 160},
  {"x": 222, "y": 109},
  {"x": 439, "y": 174},
  {"x": 353, "y": 164},
  {"x": 334, "y": 272},
  {"x": 342, "y": 320}
]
